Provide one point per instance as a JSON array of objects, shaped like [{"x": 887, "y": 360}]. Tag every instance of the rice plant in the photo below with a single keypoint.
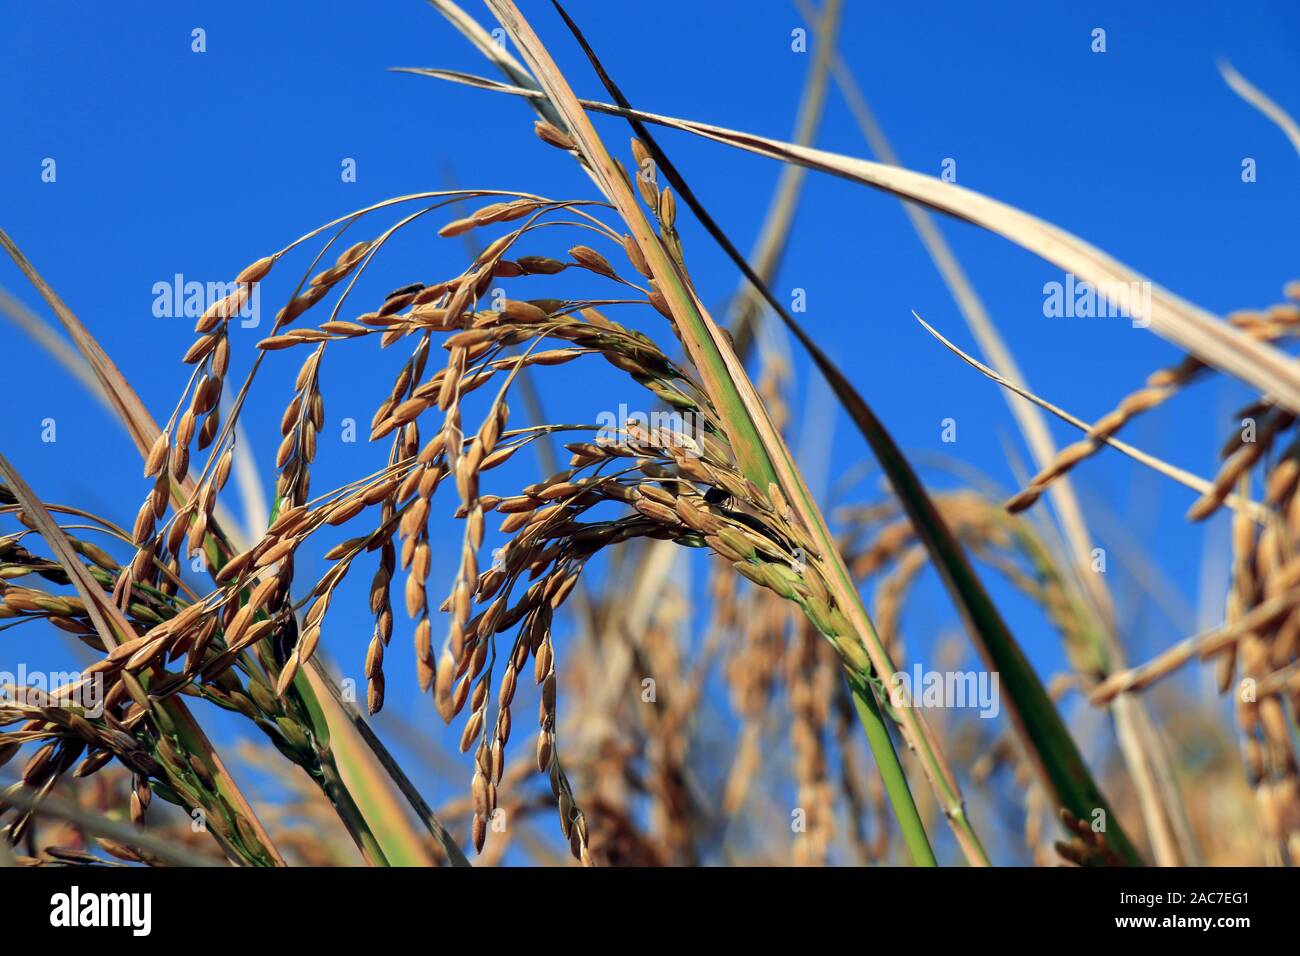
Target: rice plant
[{"x": 565, "y": 582}]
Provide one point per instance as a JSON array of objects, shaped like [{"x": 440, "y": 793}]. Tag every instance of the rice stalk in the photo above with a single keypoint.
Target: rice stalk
[
  {"x": 150, "y": 441},
  {"x": 1144, "y": 755},
  {"x": 164, "y": 850},
  {"x": 760, "y": 450},
  {"x": 185, "y": 759},
  {"x": 1060, "y": 762},
  {"x": 1099, "y": 435},
  {"x": 1258, "y": 99},
  {"x": 774, "y": 235}
]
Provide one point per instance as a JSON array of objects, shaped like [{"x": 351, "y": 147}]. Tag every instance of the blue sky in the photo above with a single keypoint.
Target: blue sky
[{"x": 171, "y": 161}]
